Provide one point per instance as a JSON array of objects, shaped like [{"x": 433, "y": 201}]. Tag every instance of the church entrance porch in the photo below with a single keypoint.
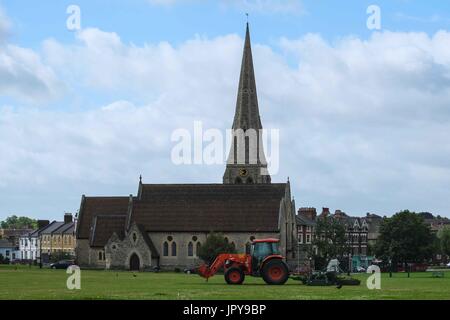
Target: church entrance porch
[{"x": 134, "y": 262}]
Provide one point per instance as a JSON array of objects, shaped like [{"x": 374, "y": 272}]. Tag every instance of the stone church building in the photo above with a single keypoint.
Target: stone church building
[{"x": 165, "y": 225}]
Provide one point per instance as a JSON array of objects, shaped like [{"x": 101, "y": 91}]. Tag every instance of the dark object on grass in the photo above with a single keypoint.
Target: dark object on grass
[
  {"x": 63, "y": 264},
  {"x": 156, "y": 269},
  {"x": 330, "y": 279}
]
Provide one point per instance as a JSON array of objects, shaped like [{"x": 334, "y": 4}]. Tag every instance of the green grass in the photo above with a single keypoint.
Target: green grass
[{"x": 33, "y": 283}]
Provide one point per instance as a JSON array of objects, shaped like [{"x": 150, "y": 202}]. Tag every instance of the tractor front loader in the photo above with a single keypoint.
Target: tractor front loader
[{"x": 263, "y": 261}]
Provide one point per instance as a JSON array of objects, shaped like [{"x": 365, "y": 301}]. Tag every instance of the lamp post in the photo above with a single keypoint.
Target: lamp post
[
  {"x": 390, "y": 268},
  {"x": 349, "y": 264},
  {"x": 40, "y": 251}
]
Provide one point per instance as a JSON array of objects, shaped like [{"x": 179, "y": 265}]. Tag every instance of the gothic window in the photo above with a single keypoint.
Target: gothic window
[
  {"x": 174, "y": 249},
  {"x": 190, "y": 249},
  {"x": 101, "y": 255},
  {"x": 238, "y": 180},
  {"x": 134, "y": 237},
  {"x": 194, "y": 238},
  {"x": 169, "y": 238},
  {"x": 249, "y": 180},
  {"x": 166, "y": 249}
]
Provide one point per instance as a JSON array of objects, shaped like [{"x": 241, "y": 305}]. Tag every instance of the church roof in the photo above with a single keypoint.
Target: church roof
[
  {"x": 94, "y": 206},
  {"x": 208, "y": 207},
  {"x": 103, "y": 228}
]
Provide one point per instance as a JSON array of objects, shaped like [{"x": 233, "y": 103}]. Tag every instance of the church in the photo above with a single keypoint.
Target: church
[{"x": 164, "y": 225}]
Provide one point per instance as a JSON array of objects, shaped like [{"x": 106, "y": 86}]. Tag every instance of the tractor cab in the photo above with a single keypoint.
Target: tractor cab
[{"x": 261, "y": 250}]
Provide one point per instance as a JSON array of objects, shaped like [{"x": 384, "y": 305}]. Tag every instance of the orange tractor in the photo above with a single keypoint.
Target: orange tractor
[{"x": 263, "y": 261}]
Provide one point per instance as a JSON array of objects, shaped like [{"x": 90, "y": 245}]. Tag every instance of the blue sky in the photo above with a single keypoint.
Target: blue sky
[
  {"x": 139, "y": 22},
  {"x": 363, "y": 114}
]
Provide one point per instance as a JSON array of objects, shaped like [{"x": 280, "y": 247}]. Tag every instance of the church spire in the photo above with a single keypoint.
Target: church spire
[
  {"x": 247, "y": 111},
  {"x": 246, "y": 162}
]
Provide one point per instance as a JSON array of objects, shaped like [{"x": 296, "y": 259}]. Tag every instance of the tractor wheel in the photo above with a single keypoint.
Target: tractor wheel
[
  {"x": 275, "y": 272},
  {"x": 234, "y": 276}
]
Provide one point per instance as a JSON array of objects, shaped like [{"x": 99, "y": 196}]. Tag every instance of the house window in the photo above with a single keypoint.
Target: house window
[
  {"x": 308, "y": 238},
  {"x": 174, "y": 249},
  {"x": 7, "y": 253},
  {"x": 166, "y": 249},
  {"x": 190, "y": 249}
]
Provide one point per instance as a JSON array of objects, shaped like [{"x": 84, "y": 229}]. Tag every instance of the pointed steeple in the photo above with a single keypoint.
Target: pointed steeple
[
  {"x": 246, "y": 162},
  {"x": 247, "y": 110}
]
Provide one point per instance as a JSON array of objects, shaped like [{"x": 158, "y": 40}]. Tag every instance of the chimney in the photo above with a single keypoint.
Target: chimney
[
  {"x": 42, "y": 223},
  {"x": 309, "y": 213},
  {"x": 68, "y": 218},
  {"x": 325, "y": 212}
]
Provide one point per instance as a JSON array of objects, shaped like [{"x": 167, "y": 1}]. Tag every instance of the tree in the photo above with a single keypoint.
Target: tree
[
  {"x": 444, "y": 240},
  {"x": 214, "y": 245},
  {"x": 405, "y": 238},
  {"x": 330, "y": 240},
  {"x": 15, "y": 222}
]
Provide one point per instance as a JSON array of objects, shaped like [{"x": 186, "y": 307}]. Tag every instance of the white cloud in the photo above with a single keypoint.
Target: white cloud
[
  {"x": 25, "y": 77},
  {"x": 364, "y": 124}
]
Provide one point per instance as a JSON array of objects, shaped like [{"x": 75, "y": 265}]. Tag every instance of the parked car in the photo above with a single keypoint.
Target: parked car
[{"x": 63, "y": 264}]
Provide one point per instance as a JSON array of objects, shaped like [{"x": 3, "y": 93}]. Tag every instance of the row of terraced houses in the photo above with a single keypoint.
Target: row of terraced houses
[{"x": 56, "y": 238}]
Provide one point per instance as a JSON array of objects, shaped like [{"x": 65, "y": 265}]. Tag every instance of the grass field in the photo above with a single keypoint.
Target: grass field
[{"x": 33, "y": 283}]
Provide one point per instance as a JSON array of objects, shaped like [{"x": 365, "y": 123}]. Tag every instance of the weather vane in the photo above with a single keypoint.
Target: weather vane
[{"x": 247, "y": 16}]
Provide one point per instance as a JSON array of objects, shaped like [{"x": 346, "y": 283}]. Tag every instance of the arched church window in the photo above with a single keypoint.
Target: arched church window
[
  {"x": 238, "y": 180},
  {"x": 166, "y": 249},
  {"x": 249, "y": 180},
  {"x": 134, "y": 237},
  {"x": 190, "y": 249},
  {"x": 194, "y": 238},
  {"x": 174, "y": 249}
]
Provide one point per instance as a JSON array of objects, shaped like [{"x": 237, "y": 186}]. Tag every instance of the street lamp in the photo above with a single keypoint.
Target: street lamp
[
  {"x": 390, "y": 268},
  {"x": 349, "y": 264}
]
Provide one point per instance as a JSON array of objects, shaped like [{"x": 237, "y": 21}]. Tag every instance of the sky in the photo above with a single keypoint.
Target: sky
[{"x": 364, "y": 115}]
